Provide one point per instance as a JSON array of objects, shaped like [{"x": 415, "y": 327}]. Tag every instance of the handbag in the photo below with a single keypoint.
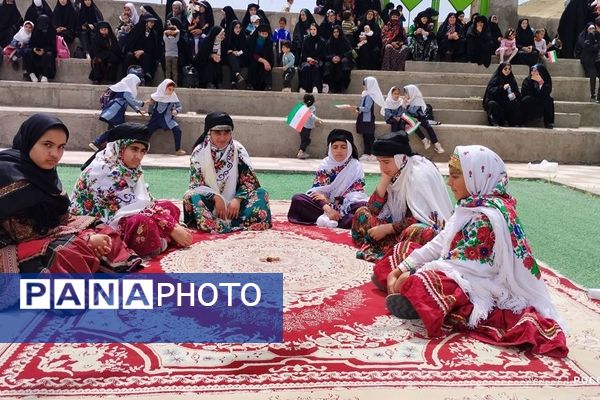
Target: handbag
[{"x": 62, "y": 50}]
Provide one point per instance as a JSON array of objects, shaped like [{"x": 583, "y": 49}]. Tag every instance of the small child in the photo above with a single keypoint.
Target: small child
[
  {"x": 254, "y": 23},
  {"x": 164, "y": 107},
  {"x": 309, "y": 101},
  {"x": 279, "y": 35},
  {"x": 287, "y": 60},
  {"x": 508, "y": 47},
  {"x": 124, "y": 94},
  {"x": 348, "y": 26},
  {"x": 365, "y": 121},
  {"x": 20, "y": 42},
  {"x": 171, "y": 39},
  {"x": 540, "y": 43},
  {"x": 414, "y": 103},
  {"x": 393, "y": 110},
  {"x": 364, "y": 36},
  {"x": 123, "y": 29}
]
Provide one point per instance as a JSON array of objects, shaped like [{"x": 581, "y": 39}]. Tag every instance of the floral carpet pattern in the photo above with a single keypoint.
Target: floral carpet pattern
[{"x": 339, "y": 340}]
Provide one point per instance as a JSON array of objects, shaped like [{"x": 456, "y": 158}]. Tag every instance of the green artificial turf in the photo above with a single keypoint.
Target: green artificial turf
[{"x": 563, "y": 225}]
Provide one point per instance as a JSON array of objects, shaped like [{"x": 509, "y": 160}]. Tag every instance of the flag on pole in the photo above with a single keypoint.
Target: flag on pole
[
  {"x": 412, "y": 124},
  {"x": 298, "y": 116},
  {"x": 552, "y": 56}
]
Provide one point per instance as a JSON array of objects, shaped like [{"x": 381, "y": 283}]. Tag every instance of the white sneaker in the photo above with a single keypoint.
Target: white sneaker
[
  {"x": 372, "y": 157},
  {"x": 426, "y": 143},
  {"x": 14, "y": 58},
  {"x": 43, "y": 79},
  {"x": 325, "y": 88},
  {"x": 325, "y": 222},
  {"x": 315, "y": 90},
  {"x": 33, "y": 77},
  {"x": 438, "y": 148},
  {"x": 286, "y": 90},
  {"x": 301, "y": 90},
  {"x": 365, "y": 157}
]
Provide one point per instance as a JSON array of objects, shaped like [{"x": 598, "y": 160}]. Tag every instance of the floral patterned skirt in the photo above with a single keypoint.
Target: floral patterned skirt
[
  {"x": 412, "y": 238},
  {"x": 370, "y": 249},
  {"x": 444, "y": 307},
  {"x": 255, "y": 213}
]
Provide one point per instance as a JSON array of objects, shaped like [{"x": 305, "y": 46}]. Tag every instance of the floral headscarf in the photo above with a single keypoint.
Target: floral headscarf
[{"x": 107, "y": 185}]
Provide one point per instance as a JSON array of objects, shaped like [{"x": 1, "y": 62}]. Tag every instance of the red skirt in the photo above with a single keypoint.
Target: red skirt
[{"x": 444, "y": 307}]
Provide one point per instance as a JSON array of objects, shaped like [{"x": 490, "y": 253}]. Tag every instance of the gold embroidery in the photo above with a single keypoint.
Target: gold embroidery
[{"x": 8, "y": 189}]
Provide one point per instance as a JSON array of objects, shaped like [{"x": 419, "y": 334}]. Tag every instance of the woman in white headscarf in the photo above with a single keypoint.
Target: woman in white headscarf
[
  {"x": 338, "y": 189},
  {"x": 409, "y": 204},
  {"x": 224, "y": 193},
  {"x": 479, "y": 274}
]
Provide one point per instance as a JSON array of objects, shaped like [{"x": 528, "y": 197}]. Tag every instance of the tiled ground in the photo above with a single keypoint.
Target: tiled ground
[{"x": 581, "y": 177}]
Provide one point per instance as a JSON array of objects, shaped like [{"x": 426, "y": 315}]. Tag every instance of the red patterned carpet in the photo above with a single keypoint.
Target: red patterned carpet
[{"x": 340, "y": 342}]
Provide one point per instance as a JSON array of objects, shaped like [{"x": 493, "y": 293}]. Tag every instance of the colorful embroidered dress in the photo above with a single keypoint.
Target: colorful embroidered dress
[
  {"x": 117, "y": 195},
  {"x": 479, "y": 273},
  {"x": 416, "y": 198},
  {"x": 227, "y": 173}
]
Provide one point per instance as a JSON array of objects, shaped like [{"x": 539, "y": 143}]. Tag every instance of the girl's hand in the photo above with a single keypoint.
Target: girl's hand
[
  {"x": 100, "y": 244},
  {"x": 318, "y": 196},
  {"x": 378, "y": 233},
  {"x": 182, "y": 236},
  {"x": 332, "y": 213}
]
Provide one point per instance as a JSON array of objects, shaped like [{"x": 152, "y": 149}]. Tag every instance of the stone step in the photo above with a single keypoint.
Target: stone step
[
  {"x": 271, "y": 137},
  {"x": 73, "y": 96},
  {"x": 451, "y": 84},
  {"x": 563, "y": 67}
]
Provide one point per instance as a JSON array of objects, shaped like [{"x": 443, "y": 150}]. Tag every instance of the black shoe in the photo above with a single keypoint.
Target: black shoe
[
  {"x": 239, "y": 78},
  {"x": 548, "y": 125},
  {"x": 210, "y": 86},
  {"x": 400, "y": 307},
  {"x": 268, "y": 88}
]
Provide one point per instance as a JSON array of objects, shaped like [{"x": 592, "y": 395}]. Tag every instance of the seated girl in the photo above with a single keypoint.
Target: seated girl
[
  {"x": 415, "y": 105},
  {"x": 19, "y": 43},
  {"x": 537, "y": 100},
  {"x": 224, "y": 193},
  {"x": 411, "y": 190},
  {"x": 338, "y": 188},
  {"x": 37, "y": 234},
  {"x": 479, "y": 274},
  {"x": 112, "y": 189}
]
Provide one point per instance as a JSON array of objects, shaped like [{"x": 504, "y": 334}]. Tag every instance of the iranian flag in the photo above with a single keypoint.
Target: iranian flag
[
  {"x": 412, "y": 124},
  {"x": 298, "y": 116},
  {"x": 552, "y": 56}
]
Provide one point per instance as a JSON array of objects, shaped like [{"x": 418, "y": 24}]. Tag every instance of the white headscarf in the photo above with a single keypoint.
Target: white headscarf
[
  {"x": 390, "y": 103},
  {"x": 415, "y": 97},
  {"x": 352, "y": 172},
  {"x": 128, "y": 84},
  {"x": 160, "y": 94},
  {"x": 372, "y": 89},
  {"x": 134, "y": 15},
  {"x": 508, "y": 284},
  {"x": 222, "y": 181},
  {"x": 23, "y": 36},
  {"x": 420, "y": 188}
]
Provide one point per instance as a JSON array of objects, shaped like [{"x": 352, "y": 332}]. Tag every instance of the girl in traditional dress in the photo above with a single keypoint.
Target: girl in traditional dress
[
  {"x": 37, "y": 234},
  {"x": 224, "y": 193},
  {"x": 479, "y": 274},
  {"x": 112, "y": 189},
  {"x": 411, "y": 191},
  {"x": 164, "y": 108},
  {"x": 338, "y": 188}
]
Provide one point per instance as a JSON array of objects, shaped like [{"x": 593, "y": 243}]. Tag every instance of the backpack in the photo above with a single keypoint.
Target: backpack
[
  {"x": 190, "y": 78},
  {"x": 106, "y": 97},
  {"x": 62, "y": 50}
]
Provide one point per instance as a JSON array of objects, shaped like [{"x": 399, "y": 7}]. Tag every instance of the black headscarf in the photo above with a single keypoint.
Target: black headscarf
[
  {"x": 206, "y": 47},
  {"x": 10, "y": 21},
  {"x": 497, "y": 82},
  {"x": 341, "y": 135},
  {"x": 229, "y": 17},
  {"x": 391, "y": 144},
  {"x": 89, "y": 15},
  {"x": 313, "y": 46},
  {"x": 532, "y": 88},
  {"x": 246, "y": 19},
  {"x": 43, "y": 200},
  {"x": 525, "y": 37},
  {"x": 214, "y": 119},
  {"x": 263, "y": 18},
  {"x": 43, "y": 35},
  {"x": 301, "y": 27},
  {"x": 479, "y": 43},
  {"x": 128, "y": 130},
  {"x": 338, "y": 47},
  {"x": 33, "y": 12},
  {"x": 233, "y": 41},
  {"x": 572, "y": 21},
  {"x": 64, "y": 15},
  {"x": 103, "y": 46}
]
